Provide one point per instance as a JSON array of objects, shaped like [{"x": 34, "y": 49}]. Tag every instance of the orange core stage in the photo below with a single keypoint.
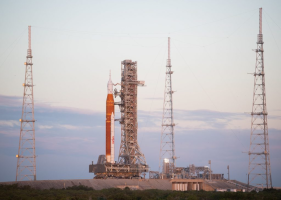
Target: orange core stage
[{"x": 109, "y": 149}]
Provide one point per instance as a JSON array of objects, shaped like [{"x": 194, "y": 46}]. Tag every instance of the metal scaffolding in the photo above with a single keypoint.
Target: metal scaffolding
[
  {"x": 259, "y": 172},
  {"x": 131, "y": 162},
  {"x": 26, "y": 159},
  {"x": 167, "y": 147},
  {"x": 129, "y": 152}
]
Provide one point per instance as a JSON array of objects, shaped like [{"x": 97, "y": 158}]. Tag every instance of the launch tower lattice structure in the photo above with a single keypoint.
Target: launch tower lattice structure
[
  {"x": 259, "y": 171},
  {"x": 26, "y": 159},
  {"x": 167, "y": 147},
  {"x": 129, "y": 152}
]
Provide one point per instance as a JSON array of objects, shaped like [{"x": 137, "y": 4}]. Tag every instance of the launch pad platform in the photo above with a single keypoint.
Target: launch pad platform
[
  {"x": 104, "y": 170},
  {"x": 116, "y": 170}
]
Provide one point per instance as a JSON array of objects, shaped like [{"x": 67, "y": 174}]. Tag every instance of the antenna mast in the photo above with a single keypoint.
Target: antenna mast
[
  {"x": 259, "y": 171},
  {"x": 167, "y": 147},
  {"x": 26, "y": 159},
  {"x": 169, "y": 59}
]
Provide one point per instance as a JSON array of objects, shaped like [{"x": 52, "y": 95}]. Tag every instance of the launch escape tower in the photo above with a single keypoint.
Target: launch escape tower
[
  {"x": 129, "y": 152},
  {"x": 259, "y": 171},
  {"x": 167, "y": 147},
  {"x": 26, "y": 159}
]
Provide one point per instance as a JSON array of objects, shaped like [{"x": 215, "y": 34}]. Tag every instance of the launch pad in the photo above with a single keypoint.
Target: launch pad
[
  {"x": 120, "y": 171},
  {"x": 131, "y": 161}
]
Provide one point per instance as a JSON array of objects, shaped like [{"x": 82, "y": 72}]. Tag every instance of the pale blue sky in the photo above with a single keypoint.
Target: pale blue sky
[{"x": 76, "y": 43}]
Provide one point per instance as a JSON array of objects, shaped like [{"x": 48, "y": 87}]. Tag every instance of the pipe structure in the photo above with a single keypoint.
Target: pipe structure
[{"x": 109, "y": 149}]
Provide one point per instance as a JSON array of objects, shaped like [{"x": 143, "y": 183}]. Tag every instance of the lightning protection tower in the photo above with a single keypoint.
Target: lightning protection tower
[
  {"x": 167, "y": 147},
  {"x": 26, "y": 159},
  {"x": 259, "y": 172},
  {"x": 129, "y": 152}
]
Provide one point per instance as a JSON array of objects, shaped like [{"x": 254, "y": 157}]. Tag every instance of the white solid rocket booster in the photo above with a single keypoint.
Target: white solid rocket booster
[{"x": 112, "y": 138}]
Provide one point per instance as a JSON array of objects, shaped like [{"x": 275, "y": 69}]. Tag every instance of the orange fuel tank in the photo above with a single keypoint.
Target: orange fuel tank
[{"x": 109, "y": 123}]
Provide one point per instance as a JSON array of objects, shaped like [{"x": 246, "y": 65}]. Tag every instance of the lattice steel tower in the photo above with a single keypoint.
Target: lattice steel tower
[
  {"x": 129, "y": 152},
  {"x": 259, "y": 172},
  {"x": 26, "y": 163},
  {"x": 167, "y": 146}
]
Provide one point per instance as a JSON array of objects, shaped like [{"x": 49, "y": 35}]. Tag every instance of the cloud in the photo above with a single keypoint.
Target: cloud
[
  {"x": 71, "y": 127},
  {"x": 200, "y": 135},
  {"x": 206, "y": 115},
  {"x": 202, "y": 120},
  {"x": 194, "y": 125},
  {"x": 58, "y": 120},
  {"x": 45, "y": 127},
  {"x": 10, "y": 101},
  {"x": 273, "y": 117},
  {"x": 10, "y": 123},
  {"x": 67, "y": 144},
  {"x": 195, "y": 120},
  {"x": 10, "y": 132},
  {"x": 47, "y": 107}
]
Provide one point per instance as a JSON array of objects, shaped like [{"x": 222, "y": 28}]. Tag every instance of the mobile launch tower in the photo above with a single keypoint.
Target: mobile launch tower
[
  {"x": 259, "y": 171},
  {"x": 129, "y": 152},
  {"x": 131, "y": 161}
]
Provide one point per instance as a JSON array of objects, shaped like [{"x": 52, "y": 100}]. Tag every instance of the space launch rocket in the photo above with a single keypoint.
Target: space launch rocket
[{"x": 109, "y": 137}]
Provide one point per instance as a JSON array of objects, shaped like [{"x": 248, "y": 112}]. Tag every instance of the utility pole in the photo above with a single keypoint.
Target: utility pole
[
  {"x": 26, "y": 159},
  {"x": 259, "y": 170}
]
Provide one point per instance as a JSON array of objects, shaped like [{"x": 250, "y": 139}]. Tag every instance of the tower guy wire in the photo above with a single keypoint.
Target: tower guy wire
[{"x": 26, "y": 159}]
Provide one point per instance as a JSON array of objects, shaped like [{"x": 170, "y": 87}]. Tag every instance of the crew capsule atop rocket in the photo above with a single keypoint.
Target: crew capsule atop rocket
[{"x": 109, "y": 138}]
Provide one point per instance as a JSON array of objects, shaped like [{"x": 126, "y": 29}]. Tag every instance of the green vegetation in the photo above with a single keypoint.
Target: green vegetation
[{"x": 83, "y": 192}]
